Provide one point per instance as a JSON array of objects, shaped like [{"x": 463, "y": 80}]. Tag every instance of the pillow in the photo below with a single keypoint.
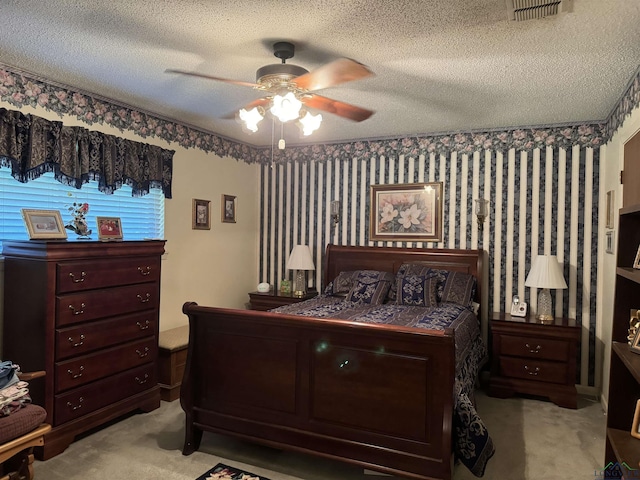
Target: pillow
[
  {"x": 370, "y": 287},
  {"x": 417, "y": 290},
  {"x": 342, "y": 284},
  {"x": 406, "y": 269},
  {"x": 459, "y": 288}
]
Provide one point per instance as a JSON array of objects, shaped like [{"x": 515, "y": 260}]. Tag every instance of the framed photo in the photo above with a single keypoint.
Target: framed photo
[
  {"x": 610, "y": 208},
  {"x": 228, "y": 208},
  {"x": 635, "y": 343},
  {"x": 201, "y": 214},
  {"x": 43, "y": 224},
  {"x": 109, "y": 228},
  {"x": 609, "y": 238},
  {"x": 635, "y": 426},
  {"x": 636, "y": 262},
  {"x": 407, "y": 212}
]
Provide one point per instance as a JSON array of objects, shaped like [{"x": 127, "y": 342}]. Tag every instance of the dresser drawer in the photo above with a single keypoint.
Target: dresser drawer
[
  {"x": 75, "y": 276},
  {"x": 94, "y": 304},
  {"x": 84, "y": 400},
  {"x": 87, "y": 337},
  {"x": 537, "y": 370},
  {"x": 531, "y": 347},
  {"x": 79, "y": 371}
]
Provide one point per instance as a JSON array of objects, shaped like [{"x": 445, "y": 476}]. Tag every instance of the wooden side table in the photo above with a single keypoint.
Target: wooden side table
[
  {"x": 534, "y": 358},
  {"x": 274, "y": 299}
]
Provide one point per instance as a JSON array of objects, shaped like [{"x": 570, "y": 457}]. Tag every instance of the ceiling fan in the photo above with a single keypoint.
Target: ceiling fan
[{"x": 288, "y": 87}]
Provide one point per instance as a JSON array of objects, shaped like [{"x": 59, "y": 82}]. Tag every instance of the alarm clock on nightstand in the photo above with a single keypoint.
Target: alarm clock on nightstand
[{"x": 264, "y": 287}]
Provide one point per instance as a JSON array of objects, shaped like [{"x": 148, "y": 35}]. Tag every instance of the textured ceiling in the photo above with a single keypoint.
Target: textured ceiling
[{"x": 440, "y": 65}]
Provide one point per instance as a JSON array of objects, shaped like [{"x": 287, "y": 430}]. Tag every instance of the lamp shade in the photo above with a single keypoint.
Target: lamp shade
[
  {"x": 300, "y": 259},
  {"x": 545, "y": 273}
]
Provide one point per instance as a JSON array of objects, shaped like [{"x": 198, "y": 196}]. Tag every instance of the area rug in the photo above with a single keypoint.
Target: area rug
[{"x": 225, "y": 472}]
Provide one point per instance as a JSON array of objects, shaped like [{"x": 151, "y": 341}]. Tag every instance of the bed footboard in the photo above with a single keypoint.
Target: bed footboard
[{"x": 377, "y": 396}]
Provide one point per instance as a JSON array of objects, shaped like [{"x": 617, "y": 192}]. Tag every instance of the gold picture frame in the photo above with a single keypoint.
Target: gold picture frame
[
  {"x": 635, "y": 425},
  {"x": 43, "y": 224},
  {"x": 109, "y": 228},
  {"x": 201, "y": 214},
  {"x": 407, "y": 212},
  {"x": 228, "y": 209},
  {"x": 636, "y": 262},
  {"x": 635, "y": 343},
  {"x": 610, "y": 209}
]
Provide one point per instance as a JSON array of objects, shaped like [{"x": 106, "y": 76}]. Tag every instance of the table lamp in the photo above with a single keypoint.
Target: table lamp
[
  {"x": 545, "y": 273},
  {"x": 300, "y": 260}
]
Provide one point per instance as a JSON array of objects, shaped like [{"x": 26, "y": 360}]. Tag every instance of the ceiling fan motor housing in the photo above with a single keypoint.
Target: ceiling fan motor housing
[{"x": 278, "y": 73}]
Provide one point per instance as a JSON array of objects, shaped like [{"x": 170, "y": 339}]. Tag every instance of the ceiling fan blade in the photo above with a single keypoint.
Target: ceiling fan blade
[
  {"x": 210, "y": 77},
  {"x": 336, "y": 107},
  {"x": 260, "y": 102},
  {"x": 339, "y": 71}
]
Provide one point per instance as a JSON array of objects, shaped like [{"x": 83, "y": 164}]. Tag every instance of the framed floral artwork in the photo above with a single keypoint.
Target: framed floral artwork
[
  {"x": 43, "y": 224},
  {"x": 228, "y": 209},
  {"x": 109, "y": 228},
  {"x": 406, "y": 212},
  {"x": 201, "y": 214}
]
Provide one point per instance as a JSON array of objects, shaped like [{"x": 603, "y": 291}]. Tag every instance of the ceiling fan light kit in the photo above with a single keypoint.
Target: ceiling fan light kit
[{"x": 291, "y": 87}]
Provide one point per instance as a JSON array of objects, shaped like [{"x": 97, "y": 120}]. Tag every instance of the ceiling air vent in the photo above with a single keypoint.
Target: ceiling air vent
[{"x": 520, "y": 10}]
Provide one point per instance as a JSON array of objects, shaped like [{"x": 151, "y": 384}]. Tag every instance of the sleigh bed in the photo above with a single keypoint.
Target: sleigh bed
[{"x": 343, "y": 379}]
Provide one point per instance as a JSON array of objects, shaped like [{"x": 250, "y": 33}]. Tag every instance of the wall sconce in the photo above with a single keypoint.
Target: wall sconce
[
  {"x": 335, "y": 216},
  {"x": 482, "y": 210}
]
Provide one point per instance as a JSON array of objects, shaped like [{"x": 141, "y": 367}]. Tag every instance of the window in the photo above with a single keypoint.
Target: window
[{"x": 141, "y": 217}]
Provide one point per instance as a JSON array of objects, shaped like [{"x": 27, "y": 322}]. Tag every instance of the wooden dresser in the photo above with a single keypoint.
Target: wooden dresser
[{"x": 86, "y": 312}]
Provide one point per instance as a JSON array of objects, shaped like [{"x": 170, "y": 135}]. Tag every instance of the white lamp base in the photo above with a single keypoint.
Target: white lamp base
[{"x": 545, "y": 313}]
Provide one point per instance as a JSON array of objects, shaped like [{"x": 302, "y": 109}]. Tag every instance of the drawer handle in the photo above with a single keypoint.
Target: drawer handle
[
  {"x": 76, "y": 375},
  {"x": 144, "y": 380},
  {"x": 533, "y": 372},
  {"x": 533, "y": 350},
  {"x": 143, "y": 353},
  {"x": 76, "y": 407},
  {"x": 77, "y": 312},
  {"x": 144, "y": 299},
  {"x": 143, "y": 327},
  {"x": 81, "y": 342},
  {"x": 144, "y": 271},
  {"x": 77, "y": 280}
]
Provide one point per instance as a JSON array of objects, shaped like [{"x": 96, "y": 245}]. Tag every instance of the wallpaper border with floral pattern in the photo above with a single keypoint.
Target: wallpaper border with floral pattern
[{"x": 21, "y": 88}]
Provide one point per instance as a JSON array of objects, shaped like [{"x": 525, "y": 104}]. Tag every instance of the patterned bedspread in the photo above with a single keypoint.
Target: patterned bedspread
[{"x": 472, "y": 444}]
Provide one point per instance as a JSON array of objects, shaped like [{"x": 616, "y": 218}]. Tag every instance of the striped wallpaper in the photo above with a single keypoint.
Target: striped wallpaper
[{"x": 543, "y": 201}]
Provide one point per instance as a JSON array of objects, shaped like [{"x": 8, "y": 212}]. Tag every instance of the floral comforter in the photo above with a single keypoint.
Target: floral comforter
[{"x": 472, "y": 444}]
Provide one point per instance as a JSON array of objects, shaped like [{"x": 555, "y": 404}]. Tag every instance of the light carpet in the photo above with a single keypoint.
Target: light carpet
[{"x": 534, "y": 440}]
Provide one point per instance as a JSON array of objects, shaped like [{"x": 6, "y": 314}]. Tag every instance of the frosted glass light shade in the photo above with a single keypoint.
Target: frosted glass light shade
[{"x": 286, "y": 108}]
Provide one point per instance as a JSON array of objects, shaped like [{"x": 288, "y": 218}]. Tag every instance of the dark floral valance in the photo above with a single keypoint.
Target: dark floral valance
[
  {"x": 31, "y": 146},
  {"x": 21, "y": 88}
]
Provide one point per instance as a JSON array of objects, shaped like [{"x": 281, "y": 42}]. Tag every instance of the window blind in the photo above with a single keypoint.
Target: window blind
[{"x": 141, "y": 217}]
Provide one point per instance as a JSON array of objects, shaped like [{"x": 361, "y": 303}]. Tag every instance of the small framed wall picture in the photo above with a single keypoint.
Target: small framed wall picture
[
  {"x": 610, "y": 209},
  {"x": 635, "y": 426},
  {"x": 109, "y": 228},
  {"x": 201, "y": 214},
  {"x": 228, "y": 209},
  {"x": 43, "y": 224},
  {"x": 609, "y": 244},
  {"x": 636, "y": 262}
]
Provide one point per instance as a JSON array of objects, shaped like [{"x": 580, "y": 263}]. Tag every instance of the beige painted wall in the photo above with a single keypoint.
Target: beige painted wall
[
  {"x": 612, "y": 164},
  {"x": 214, "y": 267}
]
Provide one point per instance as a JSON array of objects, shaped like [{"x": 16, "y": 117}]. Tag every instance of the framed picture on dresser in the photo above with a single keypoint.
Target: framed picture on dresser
[{"x": 43, "y": 224}]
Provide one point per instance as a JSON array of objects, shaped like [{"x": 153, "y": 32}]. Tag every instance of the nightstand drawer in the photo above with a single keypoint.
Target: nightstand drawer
[
  {"x": 541, "y": 371},
  {"x": 530, "y": 347}
]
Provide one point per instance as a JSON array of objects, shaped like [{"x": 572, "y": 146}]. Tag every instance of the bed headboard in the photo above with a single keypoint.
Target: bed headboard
[{"x": 344, "y": 258}]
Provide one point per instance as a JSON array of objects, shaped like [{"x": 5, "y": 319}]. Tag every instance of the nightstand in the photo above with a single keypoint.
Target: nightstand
[
  {"x": 531, "y": 358},
  {"x": 269, "y": 300}
]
